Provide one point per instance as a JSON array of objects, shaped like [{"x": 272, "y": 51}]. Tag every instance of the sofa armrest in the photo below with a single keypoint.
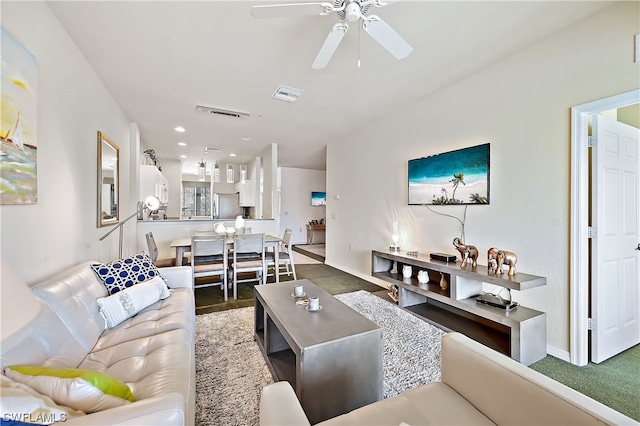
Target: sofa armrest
[
  {"x": 177, "y": 276},
  {"x": 161, "y": 410},
  {"x": 279, "y": 406},
  {"x": 508, "y": 392}
]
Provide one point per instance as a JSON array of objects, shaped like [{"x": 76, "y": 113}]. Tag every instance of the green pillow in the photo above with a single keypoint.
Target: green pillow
[{"x": 85, "y": 390}]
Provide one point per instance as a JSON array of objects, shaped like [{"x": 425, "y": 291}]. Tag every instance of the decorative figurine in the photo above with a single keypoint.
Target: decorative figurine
[
  {"x": 493, "y": 266},
  {"x": 499, "y": 258},
  {"x": 444, "y": 284},
  {"x": 467, "y": 252}
]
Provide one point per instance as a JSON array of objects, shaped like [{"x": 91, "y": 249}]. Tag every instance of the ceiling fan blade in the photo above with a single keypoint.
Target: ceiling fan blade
[
  {"x": 330, "y": 45},
  {"x": 386, "y": 36},
  {"x": 291, "y": 9}
]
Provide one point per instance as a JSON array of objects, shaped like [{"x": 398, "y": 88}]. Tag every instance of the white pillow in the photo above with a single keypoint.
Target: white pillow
[
  {"x": 126, "y": 303},
  {"x": 19, "y": 402}
]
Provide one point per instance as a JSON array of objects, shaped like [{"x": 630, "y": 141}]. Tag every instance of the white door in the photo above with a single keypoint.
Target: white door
[{"x": 615, "y": 274}]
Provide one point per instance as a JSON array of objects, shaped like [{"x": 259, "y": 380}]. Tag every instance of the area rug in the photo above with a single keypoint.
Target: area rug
[{"x": 231, "y": 372}]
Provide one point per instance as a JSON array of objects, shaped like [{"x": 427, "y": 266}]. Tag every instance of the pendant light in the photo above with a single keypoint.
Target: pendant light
[
  {"x": 230, "y": 173},
  {"x": 202, "y": 168},
  {"x": 215, "y": 173}
]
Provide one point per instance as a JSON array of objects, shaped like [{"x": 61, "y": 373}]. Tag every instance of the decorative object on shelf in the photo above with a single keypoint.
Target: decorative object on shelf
[
  {"x": 467, "y": 252},
  {"x": 496, "y": 258},
  {"x": 412, "y": 253},
  {"x": 507, "y": 258},
  {"x": 492, "y": 268},
  {"x": 395, "y": 237},
  {"x": 407, "y": 271},
  {"x": 423, "y": 277},
  {"x": 151, "y": 203},
  {"x": 444, "y": 284},
  {"x": 393, "y": 294},
  {"x": 150, "y": 157}
]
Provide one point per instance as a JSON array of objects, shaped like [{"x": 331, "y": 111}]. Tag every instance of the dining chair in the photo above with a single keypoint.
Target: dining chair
[
  {"x": 248, "y": 256},
  {"x": 153, "y": 253},
  {"x": 209, "y": 258},
  {"x": 285, "y": 257}
]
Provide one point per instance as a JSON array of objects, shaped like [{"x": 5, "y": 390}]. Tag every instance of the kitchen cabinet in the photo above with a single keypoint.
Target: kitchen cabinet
[
  {"x": 152, "y": 182},
  {"x": 247, "y": 193}
]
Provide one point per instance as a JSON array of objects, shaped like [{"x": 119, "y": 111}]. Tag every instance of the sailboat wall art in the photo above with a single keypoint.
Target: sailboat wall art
[{"x": 18, "y": 150}]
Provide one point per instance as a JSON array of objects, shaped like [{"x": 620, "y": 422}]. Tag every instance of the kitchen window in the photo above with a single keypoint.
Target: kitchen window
[{"x": 196, "y": 199}]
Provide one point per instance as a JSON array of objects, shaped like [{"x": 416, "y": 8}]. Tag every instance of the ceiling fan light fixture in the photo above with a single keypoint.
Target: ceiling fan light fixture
[
  {"x": 352, "y": 12},
  {"x": 288, "y": 94}
]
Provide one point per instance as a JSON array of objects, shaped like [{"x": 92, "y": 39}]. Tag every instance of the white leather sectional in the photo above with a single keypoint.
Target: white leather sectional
[
  {"x": 479, "y": 387},
  {"x": 152, "y": 352}
]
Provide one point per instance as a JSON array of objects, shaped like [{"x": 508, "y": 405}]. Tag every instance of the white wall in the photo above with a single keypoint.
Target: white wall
[
  {"x": 521, "y": 105},
  {"x": 73, "y": 105},
  {"x": 295, "y": 200}
]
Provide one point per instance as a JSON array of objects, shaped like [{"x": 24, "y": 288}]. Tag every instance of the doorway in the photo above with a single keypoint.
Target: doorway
[{"x": 579, "y": 240}]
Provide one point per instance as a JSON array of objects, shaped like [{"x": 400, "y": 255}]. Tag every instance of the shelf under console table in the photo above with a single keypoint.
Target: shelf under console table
[{"x": 520, "y": 333}]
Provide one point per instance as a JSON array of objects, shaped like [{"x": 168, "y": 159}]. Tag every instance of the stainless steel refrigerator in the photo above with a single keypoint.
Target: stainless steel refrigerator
[{"x": 226, "y": 206}]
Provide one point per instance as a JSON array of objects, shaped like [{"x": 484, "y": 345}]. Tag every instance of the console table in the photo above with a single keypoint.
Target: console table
[
  {"x": 332, "y": 357},
  {"x": 311, "y": 230},
  {"x": 520, "y": 333}
]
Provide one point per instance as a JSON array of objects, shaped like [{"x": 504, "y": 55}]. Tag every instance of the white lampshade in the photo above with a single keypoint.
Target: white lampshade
[{"x": 152, "y": 203}]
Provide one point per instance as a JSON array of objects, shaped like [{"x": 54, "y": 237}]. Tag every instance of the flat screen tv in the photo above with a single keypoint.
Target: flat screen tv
[
  {"x": 457, "y": 177},
  {"x": 318, "y": 198}
]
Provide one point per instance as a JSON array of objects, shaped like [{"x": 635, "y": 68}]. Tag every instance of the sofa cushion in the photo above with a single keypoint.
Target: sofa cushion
[
  {"x": 72, "y": 296},
  {"x": 22, "y": 403},
  {"x": 175, "y": 312},
  {"x": 431, "y": 404},
  {"x": 151, "y": 366},
  {"x": 123, "y": 273},
  {"x": 83, "y": 390},
  {"x": 126, "y": 303},
  {"x": 45, "y": 341}
]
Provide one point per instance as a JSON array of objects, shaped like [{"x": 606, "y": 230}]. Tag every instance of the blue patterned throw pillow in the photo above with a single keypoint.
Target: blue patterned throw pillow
[{"x": 124, "y": 273}]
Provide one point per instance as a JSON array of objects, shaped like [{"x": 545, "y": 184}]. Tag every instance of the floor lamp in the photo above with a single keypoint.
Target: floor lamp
[{"x": 152, "y": 203}]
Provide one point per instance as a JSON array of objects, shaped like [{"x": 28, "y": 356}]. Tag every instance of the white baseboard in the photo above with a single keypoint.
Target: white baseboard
[{"x": 558, "y": 353}]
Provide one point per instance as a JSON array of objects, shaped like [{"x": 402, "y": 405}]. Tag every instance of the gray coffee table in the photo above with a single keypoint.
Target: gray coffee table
[{"x": 332, "y": 357}]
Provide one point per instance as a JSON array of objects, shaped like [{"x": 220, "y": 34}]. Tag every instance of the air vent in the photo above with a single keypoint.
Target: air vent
[
  {"x": 218, "y": 111},
  {"x": 288, "y": 94},
  {"x": 211, "y": 149}
]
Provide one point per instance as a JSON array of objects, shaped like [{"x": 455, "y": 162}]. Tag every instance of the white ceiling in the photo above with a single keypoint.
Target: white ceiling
[{"x": 159, "y": 59}]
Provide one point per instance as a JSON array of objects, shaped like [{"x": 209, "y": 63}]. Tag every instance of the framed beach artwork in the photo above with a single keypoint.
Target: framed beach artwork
[
  {"x": 452, "y": 178},
  {"x": 18, "y": 151}
]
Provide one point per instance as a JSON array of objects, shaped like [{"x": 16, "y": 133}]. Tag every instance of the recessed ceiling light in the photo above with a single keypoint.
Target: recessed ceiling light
[
  {"x": 183, "y": 156},
  {"x": 246, "y": 138},
  {"x": 180, "y": 129},
  {"x": 232, "y": 155},
  {"x": 182, "y": 144}
]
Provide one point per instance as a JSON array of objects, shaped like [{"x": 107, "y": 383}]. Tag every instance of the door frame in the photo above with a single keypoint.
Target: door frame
[{"x": 579, "y": 242}]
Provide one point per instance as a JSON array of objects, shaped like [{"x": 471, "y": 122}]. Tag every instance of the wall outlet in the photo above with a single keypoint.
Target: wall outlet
[
  {"x": 637, "y": 50},
  {"x": 333, "y": 215},
  {"x": 350, "y": 247}
]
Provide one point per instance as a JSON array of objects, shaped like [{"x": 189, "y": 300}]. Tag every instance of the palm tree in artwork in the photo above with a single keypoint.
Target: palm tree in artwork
[{"x": 458, "y": 178}]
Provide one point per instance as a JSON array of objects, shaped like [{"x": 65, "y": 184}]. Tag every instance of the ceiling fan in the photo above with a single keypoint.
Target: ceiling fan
[{"x": 346, "y": 10}]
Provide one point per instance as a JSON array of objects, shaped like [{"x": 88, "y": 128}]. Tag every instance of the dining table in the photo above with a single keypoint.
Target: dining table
[{"x": 183, "y": 245}]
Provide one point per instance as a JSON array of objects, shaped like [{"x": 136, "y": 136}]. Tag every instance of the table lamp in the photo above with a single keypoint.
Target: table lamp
[
  {"x": 151, "y": 203},
  {"x": 395, "y": 237}
]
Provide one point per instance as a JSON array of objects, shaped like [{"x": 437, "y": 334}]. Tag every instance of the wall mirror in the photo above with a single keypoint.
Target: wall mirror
[{"x": 108, "y": 181}]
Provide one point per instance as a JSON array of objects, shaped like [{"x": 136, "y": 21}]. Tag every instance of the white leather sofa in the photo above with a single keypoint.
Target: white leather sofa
[
  {"x": 152, "y": 352},
  {"x": 479, "y": 387}
]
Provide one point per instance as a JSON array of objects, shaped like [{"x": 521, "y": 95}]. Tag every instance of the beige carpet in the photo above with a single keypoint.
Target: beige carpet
[{"x": 231, "y": 372}]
